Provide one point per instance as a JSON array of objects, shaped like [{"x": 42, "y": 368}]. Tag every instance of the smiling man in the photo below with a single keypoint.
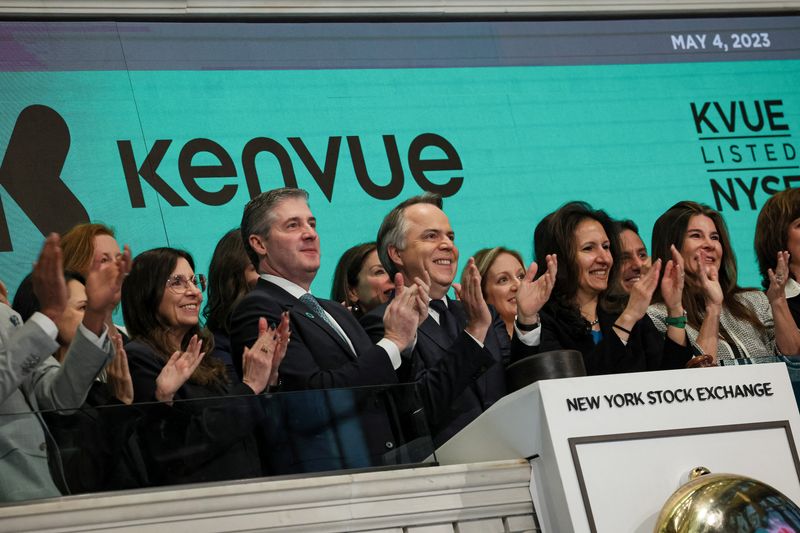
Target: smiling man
[
  {"x": 328, "y": 348},
  {"x": 417, "y": 241},
  {"x": 635, "y": 260}
]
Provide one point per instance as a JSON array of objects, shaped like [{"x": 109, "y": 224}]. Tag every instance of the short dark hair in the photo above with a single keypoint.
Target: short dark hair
[
  {"x": 258, "y": 217},
  {"x": 772, "y": 229},
  {"x": 25, "y": 300},
  {"x": 394, "y": 228},
  {"x": 628, "y": 224}
]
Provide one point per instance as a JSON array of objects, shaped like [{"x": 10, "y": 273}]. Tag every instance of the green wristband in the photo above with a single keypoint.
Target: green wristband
[{"x": 676, "y": 321}]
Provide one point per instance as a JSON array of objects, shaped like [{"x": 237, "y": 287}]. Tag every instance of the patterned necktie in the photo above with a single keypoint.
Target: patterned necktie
[
  {"x": 446, "y": 319},
  {"x": 313, "y": 304}
]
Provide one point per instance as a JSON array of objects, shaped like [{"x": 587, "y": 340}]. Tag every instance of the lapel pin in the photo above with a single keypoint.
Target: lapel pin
[{"x": 309, "y": 315}]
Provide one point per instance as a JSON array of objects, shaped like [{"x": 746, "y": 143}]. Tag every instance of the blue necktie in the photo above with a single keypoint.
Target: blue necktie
[{"x": 313, "y": 304}]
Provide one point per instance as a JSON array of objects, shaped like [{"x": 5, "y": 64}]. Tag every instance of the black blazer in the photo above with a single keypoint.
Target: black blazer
[
  {"x": 318, "y": 358},
  {"x": 459, "y": 380},
  {"x": 207, "y": 439},
  {"x": 647, "y": 348}
]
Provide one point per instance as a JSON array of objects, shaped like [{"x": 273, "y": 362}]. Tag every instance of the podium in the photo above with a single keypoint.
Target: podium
[{"x": 607, "y": 451}]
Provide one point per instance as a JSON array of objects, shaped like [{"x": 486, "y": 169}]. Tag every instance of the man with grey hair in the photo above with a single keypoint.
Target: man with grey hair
[
  {"x": 328, "y": 347},
  {"x": 417, "y": 241}
]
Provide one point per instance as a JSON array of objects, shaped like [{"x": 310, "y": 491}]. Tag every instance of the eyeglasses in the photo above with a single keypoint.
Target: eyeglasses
[{"x": 180, "y": 283}]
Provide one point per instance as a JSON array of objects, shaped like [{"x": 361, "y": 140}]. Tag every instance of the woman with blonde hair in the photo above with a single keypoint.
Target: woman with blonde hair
[{"x": 501, "y": 271}]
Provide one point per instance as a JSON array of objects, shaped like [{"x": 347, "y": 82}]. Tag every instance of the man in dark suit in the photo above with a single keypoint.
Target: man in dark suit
[
  {"x": 328, "y": 348},
  {"x": 417, "y": 241}
]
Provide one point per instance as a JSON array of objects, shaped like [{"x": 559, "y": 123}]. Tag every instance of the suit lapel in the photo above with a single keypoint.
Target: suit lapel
[
  {"x": 303, "y": 314},
  {"x": 435, "y": 332},
  {"x": 330, "y": 307}
]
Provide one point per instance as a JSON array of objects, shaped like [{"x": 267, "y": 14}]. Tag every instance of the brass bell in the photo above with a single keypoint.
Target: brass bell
[{"x": 711, "y": 503}]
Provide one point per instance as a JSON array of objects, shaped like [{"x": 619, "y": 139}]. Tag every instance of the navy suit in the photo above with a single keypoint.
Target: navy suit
[
  {"x": 331, "y": 429},
  {"x": 475, "y": 376}
]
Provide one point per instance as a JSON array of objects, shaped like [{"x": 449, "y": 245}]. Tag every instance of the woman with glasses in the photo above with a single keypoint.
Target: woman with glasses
[{"x": 197, "y": 440}]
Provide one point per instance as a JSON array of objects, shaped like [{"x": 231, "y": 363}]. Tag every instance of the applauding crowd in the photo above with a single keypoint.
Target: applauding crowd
[{"x": 158, "y": 379}]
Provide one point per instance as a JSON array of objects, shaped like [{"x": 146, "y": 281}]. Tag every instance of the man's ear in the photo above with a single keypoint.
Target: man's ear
[
  {"x": 394, "y": 255},
  {"x": 257, "y": 244}
]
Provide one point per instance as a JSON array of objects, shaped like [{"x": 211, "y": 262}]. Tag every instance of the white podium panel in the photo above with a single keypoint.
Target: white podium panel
[{"x": 607, "y": 451}]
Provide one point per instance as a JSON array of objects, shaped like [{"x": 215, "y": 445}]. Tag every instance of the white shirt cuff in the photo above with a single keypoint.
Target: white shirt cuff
[
  {"x": 473, "y": 338},
  {"x": 101, "y": 341},
  {"x": 44, "y": 322},
  {"x": 529, "y": 338},
  {"x": 393, "y": 351}
]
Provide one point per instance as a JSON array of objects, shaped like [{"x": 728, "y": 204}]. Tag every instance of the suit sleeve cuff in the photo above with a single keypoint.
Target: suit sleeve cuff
[
  {"x": 393, "y": 351},
  {"x": 529, "y": 338},
  {"x": 101, "y": 341},
  {"x": 49, "y": 327},
  {"x": 473, "y": 338}
]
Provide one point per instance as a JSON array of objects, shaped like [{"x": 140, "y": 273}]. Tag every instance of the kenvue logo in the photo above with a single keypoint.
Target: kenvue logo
[
  {"x": 31, "y": 174},
  {"x": 37, "y": 150}
]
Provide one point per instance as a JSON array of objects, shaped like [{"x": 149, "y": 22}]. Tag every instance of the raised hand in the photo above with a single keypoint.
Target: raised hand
[
  {"x": 48, "y": 279},
  {"x": 260, "y": 362},
  {"x": 672, "y": 284},
  {"x": 709, "y": 281},
  {"x": 640, "y": 297},
  {"x": 178, "y": 369},
  {"x": 402, "y": 315},
  {"x": 778, "y": 278},
  {"x": 423, "y": 297},
  {"x": 532, "y": 295},
  {"x": 469, "y": 292},
  {"x": 118, "y": 373},
  {"x": 103, "y": 290},
  {"x": 283, "y": 335}
]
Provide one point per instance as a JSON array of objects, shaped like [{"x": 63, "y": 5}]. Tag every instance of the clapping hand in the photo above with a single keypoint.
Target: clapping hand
[
  {"x": 48, "y": 279},
  {"x": 178, "y": 369},
  {"x": 672, "y": 284},
  {"x": 260, "y": 362},
  {"x": 778, "y": 278},
  {"x": 709, "y": 280},
  {"x": 118, "y": 373},
  {"x": 532, "y": 295},
  {"x": 640, "y": 297},
  {"x": 469, "y": 292},
  {"x": 404, "y": 313}
]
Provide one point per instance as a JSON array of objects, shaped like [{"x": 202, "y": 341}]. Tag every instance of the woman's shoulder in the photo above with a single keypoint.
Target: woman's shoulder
[
  {"x": 140, "y": 353},
  {"x": 754, "y": 298}
]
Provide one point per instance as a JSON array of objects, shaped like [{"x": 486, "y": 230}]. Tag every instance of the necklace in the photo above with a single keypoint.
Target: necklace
[{"x": 594, "y": 322}]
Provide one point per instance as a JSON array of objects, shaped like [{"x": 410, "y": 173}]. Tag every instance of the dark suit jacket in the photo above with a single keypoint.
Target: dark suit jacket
[
  {"x": 459, "y": 380},
  {"x": 330, "y": 429},
  {"x": 210, "y": 438},
  {"x": 647, "y": 348}
]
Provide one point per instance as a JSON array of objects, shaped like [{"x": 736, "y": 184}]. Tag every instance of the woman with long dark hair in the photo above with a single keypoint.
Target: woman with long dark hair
[
  {"x": 231, "y": 275},
  {"x": 722, "y": 318},
  {"x": 579, "y": 315},
  {"x": 360, "y": 282},
  {"x": 161, "y": 300}
]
